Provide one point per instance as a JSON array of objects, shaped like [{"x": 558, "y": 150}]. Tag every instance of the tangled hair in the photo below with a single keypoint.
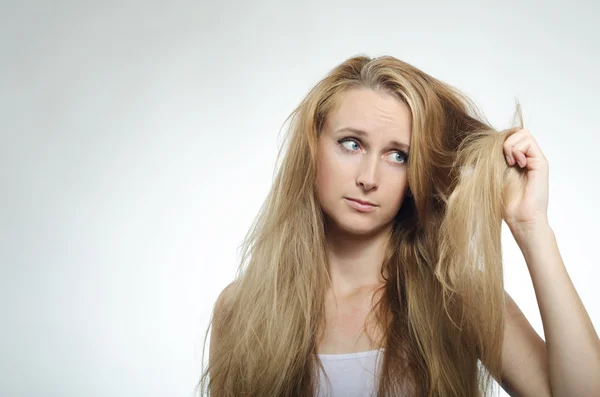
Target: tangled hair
[{"x": 442, "y": 308}]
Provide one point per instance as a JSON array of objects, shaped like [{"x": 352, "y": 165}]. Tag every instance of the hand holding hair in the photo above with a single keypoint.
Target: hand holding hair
[{"x": 528, "y": 208}]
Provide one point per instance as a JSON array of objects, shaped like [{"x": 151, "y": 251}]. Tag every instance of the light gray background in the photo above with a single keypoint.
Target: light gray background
[{"x": 139, "y": 140}]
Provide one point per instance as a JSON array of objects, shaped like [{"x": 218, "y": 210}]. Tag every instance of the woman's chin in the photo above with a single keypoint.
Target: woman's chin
[{"x": 357, "y": 228}]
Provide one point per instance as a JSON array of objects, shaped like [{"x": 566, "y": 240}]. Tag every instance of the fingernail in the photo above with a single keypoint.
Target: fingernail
[
  {"x": 520, "y": 164},
  {"x": 507, "y": 159}
]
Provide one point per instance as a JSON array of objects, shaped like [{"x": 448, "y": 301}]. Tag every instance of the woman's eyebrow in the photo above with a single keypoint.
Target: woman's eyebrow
[{"x": 360, "y": 132}]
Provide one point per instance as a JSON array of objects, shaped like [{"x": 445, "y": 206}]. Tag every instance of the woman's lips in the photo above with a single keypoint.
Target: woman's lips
[{"x": 359, "y": 206}]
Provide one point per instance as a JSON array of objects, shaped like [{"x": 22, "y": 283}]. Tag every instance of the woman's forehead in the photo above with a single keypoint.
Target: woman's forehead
[{"x": 372, "y": 115}]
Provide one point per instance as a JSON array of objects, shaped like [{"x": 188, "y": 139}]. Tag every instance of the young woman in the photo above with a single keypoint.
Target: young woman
[{"x": 374, "y": 267}]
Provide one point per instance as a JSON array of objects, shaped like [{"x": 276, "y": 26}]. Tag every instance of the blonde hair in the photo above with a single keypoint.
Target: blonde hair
[{"x": 442, "y": 308}]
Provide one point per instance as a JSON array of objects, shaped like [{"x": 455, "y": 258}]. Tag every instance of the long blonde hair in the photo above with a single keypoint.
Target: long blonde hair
[{"x": 442, "y": 308}]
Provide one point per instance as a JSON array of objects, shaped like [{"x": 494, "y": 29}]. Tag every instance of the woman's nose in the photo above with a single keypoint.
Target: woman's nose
[{"x": 367, "y": 178}]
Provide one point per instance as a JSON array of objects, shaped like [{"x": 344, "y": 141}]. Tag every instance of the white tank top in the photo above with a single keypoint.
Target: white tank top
[{"x": 351, "y": 374}]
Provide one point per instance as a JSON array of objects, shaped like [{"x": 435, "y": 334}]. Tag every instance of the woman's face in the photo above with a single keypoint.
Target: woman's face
[{"x": 369, "y": 166}]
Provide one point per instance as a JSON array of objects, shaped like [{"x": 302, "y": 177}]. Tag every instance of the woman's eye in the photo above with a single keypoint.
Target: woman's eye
[
  {"x": 400, "y": 156},
  {"x": 352, "y": 145},
  {"x": 349, "y": 144}
]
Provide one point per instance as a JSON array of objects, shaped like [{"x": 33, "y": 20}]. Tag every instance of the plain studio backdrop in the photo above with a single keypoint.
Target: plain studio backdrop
[{"x": 139, "y": 140}]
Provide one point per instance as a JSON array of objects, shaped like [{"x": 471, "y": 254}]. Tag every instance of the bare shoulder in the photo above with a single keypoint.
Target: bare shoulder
[
  {"x": 217, "y": 322},
  {"x": 223, "y": 300},
  {"x": 225, "y": 295}
]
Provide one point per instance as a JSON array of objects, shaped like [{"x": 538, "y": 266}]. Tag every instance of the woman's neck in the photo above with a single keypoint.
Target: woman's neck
[{"x": 355, "y": 261}]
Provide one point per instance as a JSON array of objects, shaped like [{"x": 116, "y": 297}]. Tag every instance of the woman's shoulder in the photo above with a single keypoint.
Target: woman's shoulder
[
  {"x": 219, "y": 312},
  {"x": 226, "y": 295}
]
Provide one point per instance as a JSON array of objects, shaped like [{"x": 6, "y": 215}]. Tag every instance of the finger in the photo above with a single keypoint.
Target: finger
[
  {"x": 526, "y": 151},
  {"x": 511, "y": 141},
  {"x": 519, "y": 150}
]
